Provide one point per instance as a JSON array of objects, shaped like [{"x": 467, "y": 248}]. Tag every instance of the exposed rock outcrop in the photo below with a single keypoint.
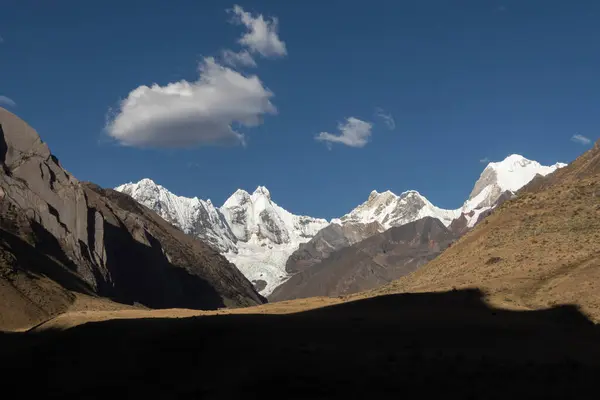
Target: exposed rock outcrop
[
  {"x": 329, "y": 239},
  {"x": 370, "y": 263},
  {"x": 60, "y": 236}
]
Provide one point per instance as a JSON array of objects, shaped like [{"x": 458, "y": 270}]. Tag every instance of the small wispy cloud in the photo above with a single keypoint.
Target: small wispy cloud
[
  {"x": 387, "y": 118},
  {"x": 261, "y": 36},
  {"x": 484, "y": 160},
  {"x": 7, "y": 101},
  {"x": 1, "y": 39},
  {"x": 354, "y": 133},
  {"x": 241, "y": 58},
  {"x": 193, "y": 165},
  {"x": 581, "y": 139}
]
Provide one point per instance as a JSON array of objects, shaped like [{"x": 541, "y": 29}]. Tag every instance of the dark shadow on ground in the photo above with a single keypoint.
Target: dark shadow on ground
[{"x": 414, "y": 345}]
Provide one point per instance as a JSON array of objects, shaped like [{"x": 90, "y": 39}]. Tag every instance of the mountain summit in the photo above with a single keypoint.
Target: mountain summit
[{"x": 510, "y": 174}]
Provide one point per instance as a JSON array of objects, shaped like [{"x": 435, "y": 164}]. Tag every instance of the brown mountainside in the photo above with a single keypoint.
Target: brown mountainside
[
  {"x": 369, "y": 263},
  {"x": 539, "y": 249},
  {"x": 59, "y": 237}
]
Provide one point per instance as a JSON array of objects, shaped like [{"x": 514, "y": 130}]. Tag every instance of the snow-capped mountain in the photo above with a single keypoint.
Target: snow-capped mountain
[
  {"x": 510, "y": 174},
  {"x": 267, "y": 235},
  {"x": 497, "y": 179},
  {"x": 250, "y": 230},
  {"x": 390, "y": 210},
  {"x": 259, "y": 236},
  {"x": 502, "y": 180}
]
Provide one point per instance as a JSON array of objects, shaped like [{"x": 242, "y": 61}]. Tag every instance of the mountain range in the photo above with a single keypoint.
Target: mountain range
[{"x": 263, "y": 240}]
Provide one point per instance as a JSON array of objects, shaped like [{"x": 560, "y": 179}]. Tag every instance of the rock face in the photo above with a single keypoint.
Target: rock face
[
  {"x": 328, "y": 240},
  {"x": 59, "y": 236},
  {"x": 370, "y": 263}
]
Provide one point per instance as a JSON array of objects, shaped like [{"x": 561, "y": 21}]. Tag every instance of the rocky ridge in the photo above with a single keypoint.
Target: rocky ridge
[{"x": 60, "y": 237}]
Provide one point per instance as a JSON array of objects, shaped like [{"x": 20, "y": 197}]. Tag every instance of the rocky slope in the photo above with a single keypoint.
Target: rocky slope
[
  {"x": 59, "y": 236},
  {"x": 370, "y": 263},
  {"x": 536, "y": 250}
]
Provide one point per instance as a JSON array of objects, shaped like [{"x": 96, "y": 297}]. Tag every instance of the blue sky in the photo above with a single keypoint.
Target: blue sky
[{"x": 463, "y": 80}]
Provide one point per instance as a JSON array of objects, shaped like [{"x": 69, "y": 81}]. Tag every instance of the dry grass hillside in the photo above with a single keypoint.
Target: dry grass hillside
[{"x": 537, "y": 250}]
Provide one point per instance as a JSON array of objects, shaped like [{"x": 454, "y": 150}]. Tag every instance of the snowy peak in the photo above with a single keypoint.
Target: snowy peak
[
  {"x": 238, "y": 198},
  {"x": 390, "y": 210},
  {"x": 262, "y": 191},
  {"x": 508, "y": 175},
  {"x": 258, "y": 218}
]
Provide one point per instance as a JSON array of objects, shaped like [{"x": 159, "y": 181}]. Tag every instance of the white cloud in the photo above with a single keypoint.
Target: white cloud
[
  {"x": 1, "y": 39},
  {"x": 353, "y": 133},
  {"x": 262, "y": 34},
  {"x": 387, "y": 118},
  {"x": 183, "y": 113},
  {"x": 581, "y": 139},
  {"x": 242, "y": 58},
  {"x": 484, "y": 160},
  {"x": 7, "y": 101}
]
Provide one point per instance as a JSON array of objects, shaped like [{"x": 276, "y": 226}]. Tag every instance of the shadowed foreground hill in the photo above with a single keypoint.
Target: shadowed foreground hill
[
  {"x": 539, "y": 249},
  {"x": 449, "y": 344}
]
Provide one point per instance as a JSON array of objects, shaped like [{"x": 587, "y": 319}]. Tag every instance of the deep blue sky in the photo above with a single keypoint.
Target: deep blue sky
[{"x": 464, "y": 80}]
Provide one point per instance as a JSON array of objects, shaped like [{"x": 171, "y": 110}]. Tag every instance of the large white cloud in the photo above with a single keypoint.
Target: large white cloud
[
  {"x": 354, "y": 133},
  {"x": 184, "y": 114},
  {"x": 262, "y": 36}
]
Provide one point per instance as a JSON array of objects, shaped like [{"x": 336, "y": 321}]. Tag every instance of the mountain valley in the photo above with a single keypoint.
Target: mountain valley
[{"x": 136, "y": 293}]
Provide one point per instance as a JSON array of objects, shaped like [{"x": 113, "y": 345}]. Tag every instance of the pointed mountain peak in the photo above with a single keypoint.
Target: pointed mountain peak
[
  {"x": 373, "y": 194},
  {"x": 238, "y": 198},
  {"x": 146, "y": 182},
  {"x": 512, "y": 161},
  {"x": 261, "y": 190},
  {"x": 143, "y": 184},
  {"x": 410, "y": 193}
]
